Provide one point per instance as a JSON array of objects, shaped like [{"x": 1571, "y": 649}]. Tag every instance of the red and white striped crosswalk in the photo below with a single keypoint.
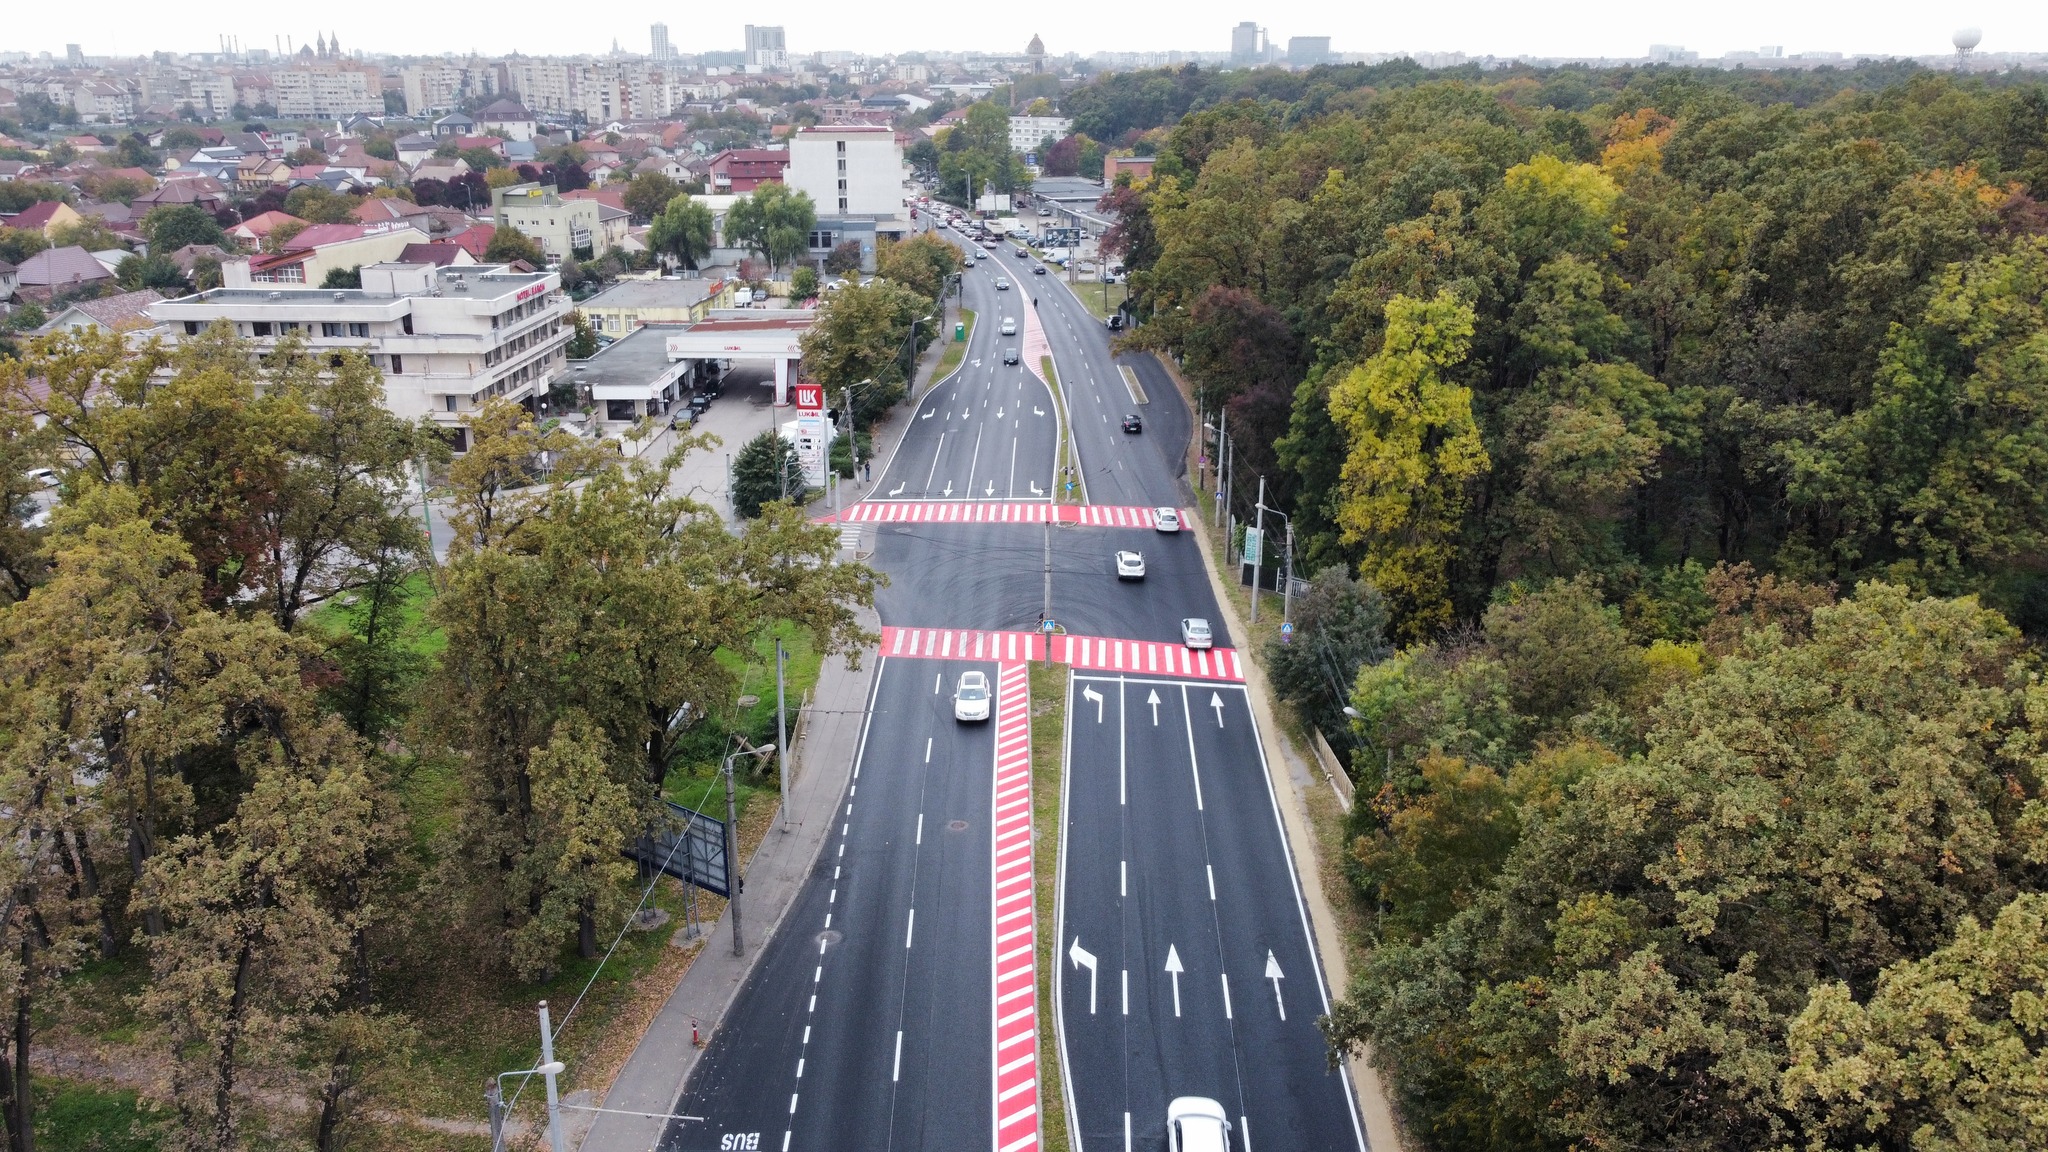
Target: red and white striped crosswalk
[
  {"x": 1147, "y": 657},
  {"x": 1014, "y": 955},
  {"x": 1085, "y": 653},
  {"x": 997, "y": 512}
]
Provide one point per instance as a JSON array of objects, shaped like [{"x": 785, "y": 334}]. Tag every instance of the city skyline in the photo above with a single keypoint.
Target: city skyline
[{"x": 1603, "y": 28}]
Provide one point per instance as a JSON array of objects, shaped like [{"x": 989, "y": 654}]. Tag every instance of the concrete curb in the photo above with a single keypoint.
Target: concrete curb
[{"x": 653, "y": 1077}]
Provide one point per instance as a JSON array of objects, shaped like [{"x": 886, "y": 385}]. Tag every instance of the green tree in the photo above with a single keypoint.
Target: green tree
[
  {"x": 803, "y": 284},
  {"x": 90, "y": 233},
  {"x": 765, "y": 470},
  {"x": 351, "y": 277},
  {"x": 1413, "y": 446},
  {"x": 18, "y": 244},
  {"x": 159, "y": 272},
  {"x": 648, "y": 194},
  {"x": 844, "y": 259},
  {"x": 864, "y": 333},
  {"x": 925, "y": 264},
  {"x": 682, "y": 230},
  {"x": 317, "y": 205},
  {"x": 509, "y": 244},
  {"x": 773, "y": 221},
  {"x": 1340, "y": 627},
  {"x": 583, "y": 815},
  {"x": 583, "y": 343}
]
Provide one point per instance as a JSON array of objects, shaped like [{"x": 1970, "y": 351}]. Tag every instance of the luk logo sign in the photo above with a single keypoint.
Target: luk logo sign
[{"x": 810, "y": 397}]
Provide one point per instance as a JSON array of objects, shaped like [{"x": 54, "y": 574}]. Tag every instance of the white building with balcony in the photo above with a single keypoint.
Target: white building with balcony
[{"x": 446, "y": 339}]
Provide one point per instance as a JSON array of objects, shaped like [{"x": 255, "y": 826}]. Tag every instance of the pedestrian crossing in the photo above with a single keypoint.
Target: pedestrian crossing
[
  {"x": 999, "y": 512},
  {"x": 1084, "y": 653}
]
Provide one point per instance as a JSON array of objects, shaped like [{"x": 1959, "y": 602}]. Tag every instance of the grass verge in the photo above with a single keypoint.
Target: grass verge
[
  {"x": 1101, "y": 299},
  {"x": 1065, "y": 457},
  {"x": 956, "y": 351},
  {"x": 1048, "y": 748}
]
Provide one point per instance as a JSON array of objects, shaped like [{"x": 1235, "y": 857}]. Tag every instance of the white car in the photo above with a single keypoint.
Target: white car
[
  {"x": 970, "y": 698},
  {"x": 1194, "y": 632},
  {"x": 1166, "y": 519},
  {"x": 1009, "y": 326},
  {"x": 1130, "y": 565},
  {"x": 42, "y": 477},
  {"x": 1196, "y": 1124}
]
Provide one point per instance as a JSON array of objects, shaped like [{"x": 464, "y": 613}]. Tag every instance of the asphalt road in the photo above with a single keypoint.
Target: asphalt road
[
  {"x": 993, "y": 576},
  {"x": 989, "y": 432},
  {"x": 1177, "y": 887},
  {"x": 866, "y": 1024}
]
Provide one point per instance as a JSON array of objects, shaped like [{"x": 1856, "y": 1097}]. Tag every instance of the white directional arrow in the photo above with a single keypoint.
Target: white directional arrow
[
  {"x": 999, "y": 413},
  {"x": 898, "y": 490},
  {"x": 929, "y": 415},
  {"x": 1037, "y": 411},
  {"x": 1174, "y": 970},
  {"x": 977, "y": 362},
  {"x": 1216, "y": 702},
  {"x": 1272, "y": 973},
  {"x": 1152, "y": 698},
  {"x": 949, "y": 492},
  {"x": 991, "y": 487},
  {"x": 1036, "y": 490},
  {"x": 1095, "y": 698},
  {"x": 1083, "y": 958}
]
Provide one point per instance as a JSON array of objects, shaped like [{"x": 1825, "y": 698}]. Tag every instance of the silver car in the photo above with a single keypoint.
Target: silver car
[
  {"x": 1194, "y": 632},
  {"x": 970, "y": 697}
]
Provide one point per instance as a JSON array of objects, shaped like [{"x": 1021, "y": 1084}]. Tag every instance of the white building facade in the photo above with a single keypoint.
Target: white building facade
[
  {"x": 1028, "y": 133},
  {"x": 849, "y": 170},
  {"x": 446, "y": 339}
]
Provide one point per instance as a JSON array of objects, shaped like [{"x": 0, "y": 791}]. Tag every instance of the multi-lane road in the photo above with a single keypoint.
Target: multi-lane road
[{"x": 896, "y": 1005}]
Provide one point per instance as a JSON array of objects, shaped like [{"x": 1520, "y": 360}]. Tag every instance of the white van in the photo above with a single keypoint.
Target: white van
[{"x": 743, "y": 298}]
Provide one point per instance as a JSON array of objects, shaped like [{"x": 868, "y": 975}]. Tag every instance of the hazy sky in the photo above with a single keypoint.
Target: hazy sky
[{"x": 1501, "y": 27}]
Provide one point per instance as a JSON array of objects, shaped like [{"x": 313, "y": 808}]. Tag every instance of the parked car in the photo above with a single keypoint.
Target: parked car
[
  {"x": 970, "y": 697},
  {"x": 1133, "y": 424},
  {"x": 1130, "y": 565},
  {"x": 681, "y": 418},
  {"x": 1010, "y": 356},
  {"x": 1166, "y": 519},
  {"x": 1196, "y": 1124},
  {"x": 699, "y": 403},
  {"x": 1194, "y": 632}
]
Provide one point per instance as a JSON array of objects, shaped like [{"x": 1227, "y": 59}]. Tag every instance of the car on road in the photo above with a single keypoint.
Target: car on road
[
  {"x": 41, "y": 477},
  {"x": 682, "y": 418},
  {"x": 1009, "y": 325},
  {"x": 1133, "y": 424},
  {"x": 1196, "y": 1124},
  {"x": 1194, "y": 632},
  {"x": 1010, "y": 356},
  {"x": 1166, "y": 519},
  {"x": 1038, "y": 269},
  {"x": 1130, "y": 565},
  {"x": 970, "y": 697},
  {"x": 1002, "y": 285},
  {"x": 1023, "y": 252}
]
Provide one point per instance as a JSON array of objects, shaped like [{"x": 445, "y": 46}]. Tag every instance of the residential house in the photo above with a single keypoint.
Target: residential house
[
  {"x": 12, "y": 170},
  {"x": 121, "y": 312},
  {"x": 414, "y": 148},
  {"x": 440, "y": 254},
  {"x": 200, "y": 192},
  {"x": 10, "y": 276},
  {"x": 256, "y": 227},
  {"x": 509, "y": 117},
  {"x": 454, "y": 125},
  {"x": 44, "y": 216},
  {"x": 190, "y": 255},
  {"x": 561, "y": 227},
  {"x": 381, "y": 208},
  {"x": 55, "y": 270},
  {"x": 308, "y": 257},
  {"x": 475, "y": 239},
  {"x": 667, "y": 166},
  {"x": 491, "y": 144},
  {"x": 439, "y": 168},
  {"x": 739, "y": 170},
  {"x": 87, "y": 145}
]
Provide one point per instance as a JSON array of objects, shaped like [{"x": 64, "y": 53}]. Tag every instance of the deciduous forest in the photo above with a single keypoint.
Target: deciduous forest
[{"x": 1671, "y": 449}]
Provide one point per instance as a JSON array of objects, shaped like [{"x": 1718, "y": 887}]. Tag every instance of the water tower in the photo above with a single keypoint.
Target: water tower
[{"x": 1966, "y": 39}]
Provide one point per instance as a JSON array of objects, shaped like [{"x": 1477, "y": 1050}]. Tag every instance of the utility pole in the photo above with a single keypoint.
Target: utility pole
[
  {"x": 1287, "y": 590},
  {"x": 782, "y": 731},
  {"x": 1260, "y": 516},
  {"x": 1222, "y": 465},
  {"x": 549, "y": 1069}
]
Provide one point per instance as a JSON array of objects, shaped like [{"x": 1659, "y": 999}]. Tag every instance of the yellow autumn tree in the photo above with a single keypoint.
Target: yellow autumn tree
[{"x": 1412, "y": 447}]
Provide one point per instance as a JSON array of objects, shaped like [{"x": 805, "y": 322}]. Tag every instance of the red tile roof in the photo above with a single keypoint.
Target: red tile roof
[
  {"x": 35, "y": 217},
  {"x": 476, "y": 238}
]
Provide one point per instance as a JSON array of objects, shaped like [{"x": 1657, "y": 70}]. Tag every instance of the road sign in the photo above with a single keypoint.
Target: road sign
[
  {"x": 1286, "y": 632},
  {"x": 1252, "y": 539},
  {"x": 1049, "y": 625}
]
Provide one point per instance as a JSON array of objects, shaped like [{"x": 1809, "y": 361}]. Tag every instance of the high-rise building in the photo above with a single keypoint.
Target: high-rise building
[
  {"x": 1308, "y": 51},
  {"x": 765, "y": 48},
  {"x": 74, "y": 55},
  {"x": 1244, "y": 43},
  {"x": 658, "y": 43}
]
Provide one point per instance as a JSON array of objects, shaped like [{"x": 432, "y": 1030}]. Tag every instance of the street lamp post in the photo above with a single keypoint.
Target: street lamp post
[
  {"x": 548, "y": 1069},
  {"x": 732, "y": 855}
]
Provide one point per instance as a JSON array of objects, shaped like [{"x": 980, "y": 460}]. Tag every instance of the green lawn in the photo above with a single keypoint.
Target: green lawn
[
  {"x": 956, "y": 350},
  {"x": 1101, "y": 299},
  {"x": 347, "y": 612},
  {"x": 74, "y": 1117}
]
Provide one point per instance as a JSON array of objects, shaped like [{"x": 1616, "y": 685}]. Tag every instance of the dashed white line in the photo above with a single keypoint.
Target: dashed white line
[
  {"x": 799, "y": 1067},
  {"x": 1123, "y": 878},
  {"x": 910, "y": 930},
  {"x": 927, "y": 749},
  {"x": 920, "y": 827},
  {"x": 897, "y": 1072},
  {"x": 1211, "y": 870},
  {"x": 1226, "y": 996},
  {"x": 1127, "y": 991}
]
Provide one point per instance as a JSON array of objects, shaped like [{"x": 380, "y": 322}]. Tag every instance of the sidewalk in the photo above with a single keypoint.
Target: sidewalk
[{"x": 653, "y": 1075}]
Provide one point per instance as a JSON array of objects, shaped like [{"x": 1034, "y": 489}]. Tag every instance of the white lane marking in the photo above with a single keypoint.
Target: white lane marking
[
  {"x": 1127, "y": 991},
  {"x": 1226, "y": 996},
  {"x": 929, "y": 476},
  {"x": 920, "y": 830},
  {"x": 814, "y": 1003},
  {"x": 799, "y": 1067},
  {"x": 1123, "y": 878},
  {"x": 897, "y": 1072},
  {"x": 1211, "y": 870},
  {"x": 1274, "y": 974},
  {"x": 1187, "y": 716},
  {"x": 910, "y": 930},
  {"x": 938, "y": 680},
  {"x": 792, "y": 1103},
  {"x": 927, "y": 749}
]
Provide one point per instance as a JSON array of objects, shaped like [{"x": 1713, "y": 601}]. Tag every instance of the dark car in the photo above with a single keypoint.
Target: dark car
[
  {"x": 1133, "y": 424},
  {"x": 1010, "y": 356},
  {"x": 699, "y": 403},
  {"x": 1038, "y": 269},
  {"x": 1116, "y": 323}
]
